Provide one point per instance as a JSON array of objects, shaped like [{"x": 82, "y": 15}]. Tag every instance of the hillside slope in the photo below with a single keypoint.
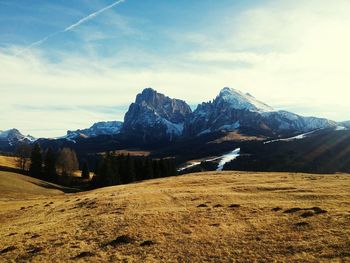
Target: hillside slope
[
  {"x": 8, "y": 161},
  {"x": 208, "y": 217},
  {"x": 15, "y": 186}
]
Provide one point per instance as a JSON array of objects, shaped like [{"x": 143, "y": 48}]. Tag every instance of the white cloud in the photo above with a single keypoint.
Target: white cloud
[
  {"x": 297, "y": 50},
  {"x": 291, "y": 55}
]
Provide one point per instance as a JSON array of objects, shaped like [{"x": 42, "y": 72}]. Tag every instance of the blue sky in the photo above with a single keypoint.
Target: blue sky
[{"x": 290, "y": 54}]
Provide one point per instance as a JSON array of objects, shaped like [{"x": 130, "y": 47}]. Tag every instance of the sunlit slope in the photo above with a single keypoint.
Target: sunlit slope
[
  {"x": 208, "y": 217},
  {"x": 8, "y": 161},
  {"x": 15, "y": 186}
]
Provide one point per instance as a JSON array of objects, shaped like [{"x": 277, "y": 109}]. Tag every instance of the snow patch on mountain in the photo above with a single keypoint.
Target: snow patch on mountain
[
  {"x": 230, "y": 127},
  {"x": 242, "y": 101},
  {"x": 13, "y": 137},
  {"x": 298, "y": 137},
  {"x": 173, "y": 128}
]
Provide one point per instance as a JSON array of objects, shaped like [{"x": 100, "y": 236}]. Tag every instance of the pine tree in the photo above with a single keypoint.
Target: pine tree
[
  {"x": 149, "y": 169},
  {"x": 156, "y": 169},
  {"x": 50, "y": 165},
  {"x": 35, "y": 169},
  {"x": 85, "y": 172},
  {"x": 130, "y": 164}
]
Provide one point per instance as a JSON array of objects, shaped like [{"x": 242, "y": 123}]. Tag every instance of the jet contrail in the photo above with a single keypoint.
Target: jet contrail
[
  {"x": 71, "y": 27},
  {"x": 87, "y": 18}
]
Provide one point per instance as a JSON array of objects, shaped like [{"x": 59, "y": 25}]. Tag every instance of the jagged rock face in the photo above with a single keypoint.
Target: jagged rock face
[
  {"x": 154, "y": 116},
  {"x": 99, "y": 128},
  {"x": 234, "y": 110}
]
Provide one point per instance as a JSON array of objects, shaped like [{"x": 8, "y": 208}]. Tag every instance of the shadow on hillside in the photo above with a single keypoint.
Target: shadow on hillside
[
  {"x": 64, "y": 189},
  {"x": 12, "y": 170}
]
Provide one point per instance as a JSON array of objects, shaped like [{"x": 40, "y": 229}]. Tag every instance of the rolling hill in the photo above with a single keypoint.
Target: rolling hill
[
  {"x": 216, "y": 217},
  {"x": 16, "y": 187}
]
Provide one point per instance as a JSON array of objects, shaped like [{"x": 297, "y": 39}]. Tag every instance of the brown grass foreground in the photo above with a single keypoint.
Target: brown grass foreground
[
  {"x": 8, "y": 161},
  {"x": 208, "y": 217}
]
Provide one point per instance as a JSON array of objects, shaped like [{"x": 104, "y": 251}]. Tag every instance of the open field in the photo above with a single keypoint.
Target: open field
[
  {"x": 8, "y": 161},
  {"x": 207, "y": 217}
]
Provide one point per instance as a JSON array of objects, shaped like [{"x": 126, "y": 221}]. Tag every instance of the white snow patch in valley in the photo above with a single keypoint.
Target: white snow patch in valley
[
  {"x": 298, "y": 137},
  {"x": 223, "y": 160},
  {"x": 340, "y": 128},
  {"x": 190, "y": 165},
  {"x": 228, "y": 158}
]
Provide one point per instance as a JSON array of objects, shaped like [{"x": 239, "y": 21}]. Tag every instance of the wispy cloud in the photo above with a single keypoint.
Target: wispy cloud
[{"x": 71, "y": 27}]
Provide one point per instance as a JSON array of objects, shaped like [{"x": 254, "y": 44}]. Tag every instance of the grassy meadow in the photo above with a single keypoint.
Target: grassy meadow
[{"x": 207, "y": 217}]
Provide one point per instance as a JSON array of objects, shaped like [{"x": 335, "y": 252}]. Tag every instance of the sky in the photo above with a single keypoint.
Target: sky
[{"x": 65, "y": 64}]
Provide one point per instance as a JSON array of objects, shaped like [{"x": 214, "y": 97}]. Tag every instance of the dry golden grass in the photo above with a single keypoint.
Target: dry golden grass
[
  {"x": 8, "y": 161},
  {"x": 236, "y": 136},
  {"x": 20, "y": 187},
  {"x": 131, "y": 152},
  {"x": 207, "y": 217}
]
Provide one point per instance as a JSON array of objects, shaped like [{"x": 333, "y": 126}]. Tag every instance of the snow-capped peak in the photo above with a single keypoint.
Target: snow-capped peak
[
  {"x": 10, "y": 133},
  {"x": 15, "y": 135},
  {"x": 242, "y": 101}
]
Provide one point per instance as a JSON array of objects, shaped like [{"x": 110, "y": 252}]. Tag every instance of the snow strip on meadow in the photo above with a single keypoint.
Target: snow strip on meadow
[{"x": 228, "y": 158}]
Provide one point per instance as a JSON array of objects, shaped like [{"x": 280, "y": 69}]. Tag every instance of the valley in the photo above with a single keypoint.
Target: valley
[{"x": 175, "y": 131}]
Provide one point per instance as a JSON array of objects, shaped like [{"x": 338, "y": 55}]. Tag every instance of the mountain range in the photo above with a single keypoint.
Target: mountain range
[{"x": 154, "y": 117}]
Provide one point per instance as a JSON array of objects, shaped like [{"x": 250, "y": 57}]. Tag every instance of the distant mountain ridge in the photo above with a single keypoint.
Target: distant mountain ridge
[
  {"x": 99, "y": 128},
  {"x": 154, "y": 117}
]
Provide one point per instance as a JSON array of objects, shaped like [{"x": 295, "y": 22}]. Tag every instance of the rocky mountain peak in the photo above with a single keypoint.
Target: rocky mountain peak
[
  {"x": 155, "y": 115},
  {"x": 12, "y": 133},
  {"x": 235, "y": 110}
]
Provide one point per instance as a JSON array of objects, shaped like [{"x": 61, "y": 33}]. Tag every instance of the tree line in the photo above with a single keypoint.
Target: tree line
[
  {"x": 48, "y": 165},
  {"x": 123, "y": 169},
  {"x": 109, "y": 169}
]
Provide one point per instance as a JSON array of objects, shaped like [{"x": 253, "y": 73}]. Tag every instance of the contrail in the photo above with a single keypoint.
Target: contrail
[
  {"x": 71, "y": 27},
  {"x": 87, "y": 18}
]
